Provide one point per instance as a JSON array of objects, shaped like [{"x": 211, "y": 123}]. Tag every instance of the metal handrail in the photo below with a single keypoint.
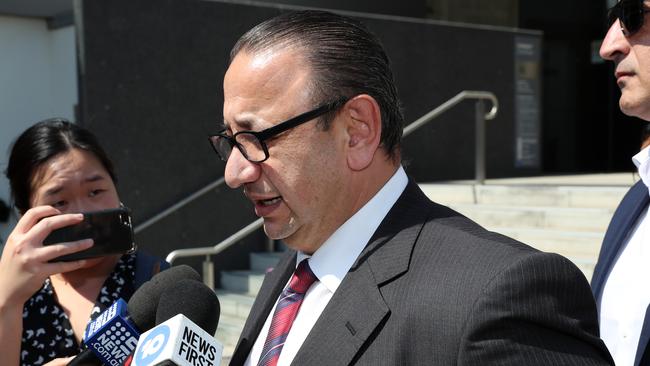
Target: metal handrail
[
  {"x": 208, "y": 266},
  {"x": 465, "y": 94},
  {"x": 192, "y": 252},
  {"x": 175, "y": 207},
  {"x": 480, "y": 117}
]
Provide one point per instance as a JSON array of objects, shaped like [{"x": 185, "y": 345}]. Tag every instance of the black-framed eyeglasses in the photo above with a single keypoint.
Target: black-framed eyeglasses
[
  {"x": 630, "y": 14},
  {"x": 251, "y": 143}
]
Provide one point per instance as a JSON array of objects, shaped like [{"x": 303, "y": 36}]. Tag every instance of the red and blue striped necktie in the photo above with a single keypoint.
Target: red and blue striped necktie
[{"x": 285, "y": 313}]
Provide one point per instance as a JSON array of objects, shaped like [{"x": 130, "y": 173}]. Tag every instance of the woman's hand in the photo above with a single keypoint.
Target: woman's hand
[
  {"x": 24, "y": 263},
  {"x": 59, "y": 361}
]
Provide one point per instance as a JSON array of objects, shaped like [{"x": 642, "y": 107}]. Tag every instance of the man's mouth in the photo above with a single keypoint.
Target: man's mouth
[
  {"x": 620, "y": 74},
  {"x": 270, "y": 201},
  {"x": 266, "y": 207}
]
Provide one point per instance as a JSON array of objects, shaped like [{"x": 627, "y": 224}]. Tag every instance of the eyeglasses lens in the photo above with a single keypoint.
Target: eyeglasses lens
[
  {"x": 221, "y": 146},
  {"x": 630, "y": 13},
  {"x": 251, "y": 147}
]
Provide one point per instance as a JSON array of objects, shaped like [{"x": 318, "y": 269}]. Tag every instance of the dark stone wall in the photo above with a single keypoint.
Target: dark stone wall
[
  {"x": 150, "y": 88},
  {"x": 409, "y": 8}
]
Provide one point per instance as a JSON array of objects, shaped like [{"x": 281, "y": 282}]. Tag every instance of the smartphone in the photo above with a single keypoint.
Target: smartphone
[{"x": 111, "y": 231}]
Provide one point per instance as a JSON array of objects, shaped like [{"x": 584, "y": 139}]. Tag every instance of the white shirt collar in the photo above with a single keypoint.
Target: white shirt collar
[
  {"x": 332, "y": 261},
  {"x": 642, "y": 162}
]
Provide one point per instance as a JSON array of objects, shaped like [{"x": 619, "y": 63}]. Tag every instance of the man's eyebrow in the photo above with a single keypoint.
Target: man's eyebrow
[{"x": 243, "y": 124}]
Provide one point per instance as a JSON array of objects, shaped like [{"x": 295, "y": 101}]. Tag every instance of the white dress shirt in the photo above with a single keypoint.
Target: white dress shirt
[
  {"x": 626, "y": 294},
  {"x": 330, "y": 263}
]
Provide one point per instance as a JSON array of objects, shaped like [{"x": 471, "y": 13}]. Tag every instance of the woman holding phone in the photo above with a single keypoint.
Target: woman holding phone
[{"x": 56, "y": 171}]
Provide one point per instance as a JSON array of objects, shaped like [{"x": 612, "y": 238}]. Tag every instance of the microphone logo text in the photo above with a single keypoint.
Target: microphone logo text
[
  {"x": 153, "y": 345},
  {"x": 195, "y": 349}
]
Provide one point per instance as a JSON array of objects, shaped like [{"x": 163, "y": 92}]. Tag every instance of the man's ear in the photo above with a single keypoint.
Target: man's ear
[{"x": 364, "y": 130}]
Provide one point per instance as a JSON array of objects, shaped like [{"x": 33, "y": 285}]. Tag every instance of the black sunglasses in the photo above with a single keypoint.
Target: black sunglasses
[
  {"x": 630, "y": 14},
  {"x": 251, "y": 143}
]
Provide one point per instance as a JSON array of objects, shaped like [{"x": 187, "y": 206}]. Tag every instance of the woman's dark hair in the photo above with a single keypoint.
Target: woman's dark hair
[{"x": 41, "y": 142}]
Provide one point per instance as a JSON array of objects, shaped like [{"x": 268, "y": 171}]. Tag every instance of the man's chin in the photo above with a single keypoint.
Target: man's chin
[
  {"x": 278, "y": 230},
  {"x": 635, "y": 107}
]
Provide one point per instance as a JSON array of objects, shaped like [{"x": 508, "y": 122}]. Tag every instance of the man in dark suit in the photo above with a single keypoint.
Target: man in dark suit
[
  {"x": 378, "y": 274},
  {"x": 621, "y": 274}
]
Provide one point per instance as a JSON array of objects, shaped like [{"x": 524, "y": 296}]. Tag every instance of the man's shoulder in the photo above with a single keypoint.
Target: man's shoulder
[
  {"x": 456, "y": 244},
  {"x": 456, "y": 236},
  {"x": 446, "y": 229}
]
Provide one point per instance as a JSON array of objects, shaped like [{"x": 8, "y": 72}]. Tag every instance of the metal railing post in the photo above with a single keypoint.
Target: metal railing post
[
  {"x": 208, "y": 272},
  {"x": 270, "y": 245},
  {"x": 479, "y": 172}
]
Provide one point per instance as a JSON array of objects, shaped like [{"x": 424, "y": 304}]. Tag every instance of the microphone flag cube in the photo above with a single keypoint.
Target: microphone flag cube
[
  {"x": 177, "y": 341},
  {"x": 111, "y": 336}
]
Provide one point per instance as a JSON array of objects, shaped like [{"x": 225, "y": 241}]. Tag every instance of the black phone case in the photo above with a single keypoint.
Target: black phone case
[{"x": 111, "y": 231}]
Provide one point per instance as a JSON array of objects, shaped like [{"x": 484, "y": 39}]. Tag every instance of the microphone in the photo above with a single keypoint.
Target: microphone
[
  {"x": 113, "y": 335},
  {"x": 145, "y": 301},
  {"x": 193, "y": 299},
  {"x": 184, "y": 334},
  {"x": 179, "y": 342}
]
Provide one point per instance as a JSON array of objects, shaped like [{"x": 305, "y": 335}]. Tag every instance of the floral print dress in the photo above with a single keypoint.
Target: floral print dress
[{"x": 47, "y": 332}]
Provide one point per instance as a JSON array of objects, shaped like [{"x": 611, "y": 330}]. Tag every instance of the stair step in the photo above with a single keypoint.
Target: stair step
[
  {"x": 578, "y": 244},
  {"x": 242, "y": 281},
  {"x": 235, "y": 304},
  {"x": 526, "y": 195},
  {"x": 263, "y": 261},
  {"x": 234, "y": 311},
  {"x": 226, "y": 356},
  {"x": 560, "y": 218},
  {"x": 229, "y": 329}
]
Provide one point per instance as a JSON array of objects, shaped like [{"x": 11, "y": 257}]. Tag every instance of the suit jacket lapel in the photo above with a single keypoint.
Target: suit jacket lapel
[
  {"x": 642, "y": 353},
  {"x": 625, "y": 217},
  {"x": 273, "y": 284},
  {"x": 357, "y": 308},
  {"x": 623, "y": 220}
]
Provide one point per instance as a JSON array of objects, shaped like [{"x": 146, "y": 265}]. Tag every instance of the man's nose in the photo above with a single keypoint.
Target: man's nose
[
  {"x": 615, "y": 43},
  {"x": 239, "y": 170}
]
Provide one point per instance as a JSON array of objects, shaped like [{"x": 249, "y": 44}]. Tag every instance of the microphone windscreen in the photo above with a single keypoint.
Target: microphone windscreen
[
  {"x": 193, "y": 299},
  {"x": 85, "y": 358},
  {"x": 144, "y": 302}
]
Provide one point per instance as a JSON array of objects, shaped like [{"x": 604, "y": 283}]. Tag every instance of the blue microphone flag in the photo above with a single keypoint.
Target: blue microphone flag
[{"x": 111, "y": 336}]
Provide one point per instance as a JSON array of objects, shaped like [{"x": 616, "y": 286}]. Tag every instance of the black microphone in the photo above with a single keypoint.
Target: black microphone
[
  {"x": 193, "y": 299},
  {"x": 144, "y": 303},
  {"x": 138, "y": 316},
  {"x": 187, "y": 318}
]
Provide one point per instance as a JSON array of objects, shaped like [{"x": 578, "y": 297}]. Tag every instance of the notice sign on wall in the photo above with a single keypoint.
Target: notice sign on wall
[{"x": 527, "y": 101}]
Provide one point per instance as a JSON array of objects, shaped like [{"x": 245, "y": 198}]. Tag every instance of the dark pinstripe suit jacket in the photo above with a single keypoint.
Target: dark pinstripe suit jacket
[
  {"x": 624, "y": 219},
  {"x": 434, "y": 288}
]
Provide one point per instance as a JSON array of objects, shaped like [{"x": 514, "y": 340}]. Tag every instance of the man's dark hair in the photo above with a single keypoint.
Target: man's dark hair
[
  {"x": 40, "y": 143},
  {"x": 345, "y": 58}
]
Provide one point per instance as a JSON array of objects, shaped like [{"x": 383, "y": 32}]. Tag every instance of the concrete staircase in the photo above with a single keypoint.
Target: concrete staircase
[
  {"x": 566, "y": 215},
  {"x": 236, "y": 296}
]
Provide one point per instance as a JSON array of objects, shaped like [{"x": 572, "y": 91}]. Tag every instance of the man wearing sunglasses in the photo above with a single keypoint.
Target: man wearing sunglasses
[
  {"x": 620, "y": 280},
  {"x": 377, "y": 274}
]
